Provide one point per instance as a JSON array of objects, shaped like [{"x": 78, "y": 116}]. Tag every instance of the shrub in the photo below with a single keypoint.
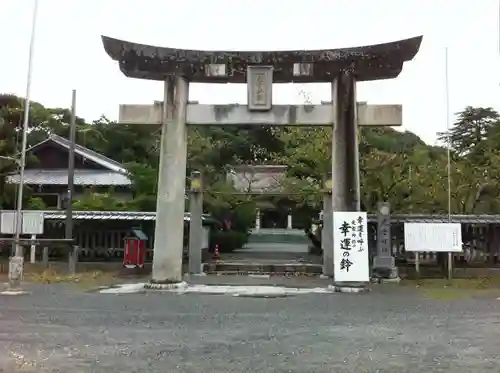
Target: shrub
[{"x": 228, "y": 240}]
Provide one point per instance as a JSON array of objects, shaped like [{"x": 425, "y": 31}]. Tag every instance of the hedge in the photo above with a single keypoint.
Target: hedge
[{"x": 228, "y": 240}]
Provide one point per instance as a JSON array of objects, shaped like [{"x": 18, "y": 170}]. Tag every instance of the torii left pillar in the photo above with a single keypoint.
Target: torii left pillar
[{"x": 169, "y": 228}]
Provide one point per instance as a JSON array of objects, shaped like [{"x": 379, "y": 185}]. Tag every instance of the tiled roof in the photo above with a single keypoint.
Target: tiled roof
[
  {"x": 257, "y": 178},
  {"x": 84, "y": 152},
  {"x": 138, "y": 215},
  {"x": 82, "y": 177},
  {"x": 397, "y": 218},
  {"x": 117, "y": 215}
]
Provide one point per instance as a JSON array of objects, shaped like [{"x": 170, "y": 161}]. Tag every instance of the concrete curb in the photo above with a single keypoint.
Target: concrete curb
[
  {"x": 189, "y": 275},
  {"x": 173, "y": 286},
  {"x": 244, "y": 291},
  {"x": 267, "y": 296},
  {"x": 14, "y": 292}
]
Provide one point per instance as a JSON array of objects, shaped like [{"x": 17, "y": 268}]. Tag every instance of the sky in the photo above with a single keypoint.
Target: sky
[{"x": 68, "y": 52}]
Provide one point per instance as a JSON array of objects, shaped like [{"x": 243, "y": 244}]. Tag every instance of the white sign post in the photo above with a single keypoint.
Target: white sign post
[
  {"x": 436, "y": 237},
  {"x": 32, "y": 224},
  {"x": 350, "y": 246},
  {"x": 433, "y": 237}
]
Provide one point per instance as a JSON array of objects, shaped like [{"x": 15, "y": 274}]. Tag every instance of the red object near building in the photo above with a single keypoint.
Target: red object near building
[
  {"x": 216, "y": 254},
  {"x": 134, "y": 253}
]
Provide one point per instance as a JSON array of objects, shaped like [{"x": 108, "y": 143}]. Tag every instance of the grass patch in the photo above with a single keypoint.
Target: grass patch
[
  {"x": 85, "y": 279},
  {"x": 446, "y": 293},
  {"x": 456, "y": 288}
]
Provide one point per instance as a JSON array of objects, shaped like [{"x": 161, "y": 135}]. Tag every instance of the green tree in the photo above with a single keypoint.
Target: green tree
[
  {"x": 11, "y": 118},
  {"x": 307, "y": 153},
  {"x": 99, "y": 201},
  {"x": 223, "y": 201},
  {"x": 144, "y": 186},
  {"x": 469, "y": 134}
]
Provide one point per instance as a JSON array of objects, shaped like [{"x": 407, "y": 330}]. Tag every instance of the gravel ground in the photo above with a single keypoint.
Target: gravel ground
[{"x": 61, "y": 329}]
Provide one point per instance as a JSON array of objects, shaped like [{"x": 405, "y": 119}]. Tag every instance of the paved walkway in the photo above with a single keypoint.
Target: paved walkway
[{"x": 60, "y": 329}]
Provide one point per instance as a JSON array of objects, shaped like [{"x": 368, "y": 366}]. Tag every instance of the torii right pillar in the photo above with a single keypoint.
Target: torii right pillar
[{"x": 345, "y": 155}]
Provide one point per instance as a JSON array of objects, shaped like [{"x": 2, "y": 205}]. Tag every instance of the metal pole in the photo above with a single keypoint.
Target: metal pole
[
  {"x": 71, "y": 180},
  {"x": 417, "y": 253},
  {"x": 15, "y": 274},
  {"x": 448, "y": 127},
  {"x": 448, "y": 155},
  {"x": 195, "y": 224},
  {"x": 71, "y": 168},
  {"x": 327, "y": 232}
]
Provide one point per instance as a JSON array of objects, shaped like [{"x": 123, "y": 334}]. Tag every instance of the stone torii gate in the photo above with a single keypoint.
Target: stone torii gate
[{"x": 178, "y": 67}]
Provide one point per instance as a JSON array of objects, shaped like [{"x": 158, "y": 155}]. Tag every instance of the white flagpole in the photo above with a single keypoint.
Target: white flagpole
[
  {"x": 15, "y": 270},
  {"x": 448, "y": 153},
  {"x": 448, "y": 128}
]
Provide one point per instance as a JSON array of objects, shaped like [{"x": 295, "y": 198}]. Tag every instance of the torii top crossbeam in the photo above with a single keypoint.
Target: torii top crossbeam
[{"x": 373, "y": 62}]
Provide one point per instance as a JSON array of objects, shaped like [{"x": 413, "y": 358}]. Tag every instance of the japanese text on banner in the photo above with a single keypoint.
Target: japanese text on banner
[{"x": 350, "y": 246}]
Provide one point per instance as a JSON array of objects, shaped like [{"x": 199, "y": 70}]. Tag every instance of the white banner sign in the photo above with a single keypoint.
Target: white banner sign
[
  {"x": 32, "y": 222},
  {"x": 350, "y": 247},
  {"x": 205, "y": 238},
  {"x": 437, "y": 237}
]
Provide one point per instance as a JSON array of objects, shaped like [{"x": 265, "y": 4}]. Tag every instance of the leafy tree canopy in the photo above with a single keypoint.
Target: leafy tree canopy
[{"x": 395, "y": 166}]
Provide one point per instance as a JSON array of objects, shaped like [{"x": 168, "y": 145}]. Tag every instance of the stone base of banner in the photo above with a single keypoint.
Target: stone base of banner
[{"x": 347, "y": 287}]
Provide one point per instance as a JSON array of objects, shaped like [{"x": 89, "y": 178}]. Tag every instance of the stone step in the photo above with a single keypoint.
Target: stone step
[
  {"x": 262, "y": 268},
  {"x": 278, "y": 231},
  {"x": 275, "y": 238},
  {"x": 274, "y": 248}
]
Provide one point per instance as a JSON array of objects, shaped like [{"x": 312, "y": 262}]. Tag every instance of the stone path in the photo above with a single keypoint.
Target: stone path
[{"x": 61, "y": 329}]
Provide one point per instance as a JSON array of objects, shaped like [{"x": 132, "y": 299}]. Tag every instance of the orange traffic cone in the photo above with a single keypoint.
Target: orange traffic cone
[{"x": 216, "y": 254}]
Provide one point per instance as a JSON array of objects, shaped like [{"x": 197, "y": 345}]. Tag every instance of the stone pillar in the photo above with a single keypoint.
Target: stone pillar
[
  {"x": 384, "y": 264},
  {"x": 345, "y": 155},
  {"x": 289, "y": 221},
  {"x": 257, "y": 219},
  {"x": 33, "y": 250},
  {"x": 327, "y": 231},
  {"x": 169, "y": 229},
  {"x": 195, "y": 223}
]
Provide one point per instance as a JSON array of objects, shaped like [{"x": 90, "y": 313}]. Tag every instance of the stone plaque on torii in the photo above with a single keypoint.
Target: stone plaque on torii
[{"x": 178, "y": 67}]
